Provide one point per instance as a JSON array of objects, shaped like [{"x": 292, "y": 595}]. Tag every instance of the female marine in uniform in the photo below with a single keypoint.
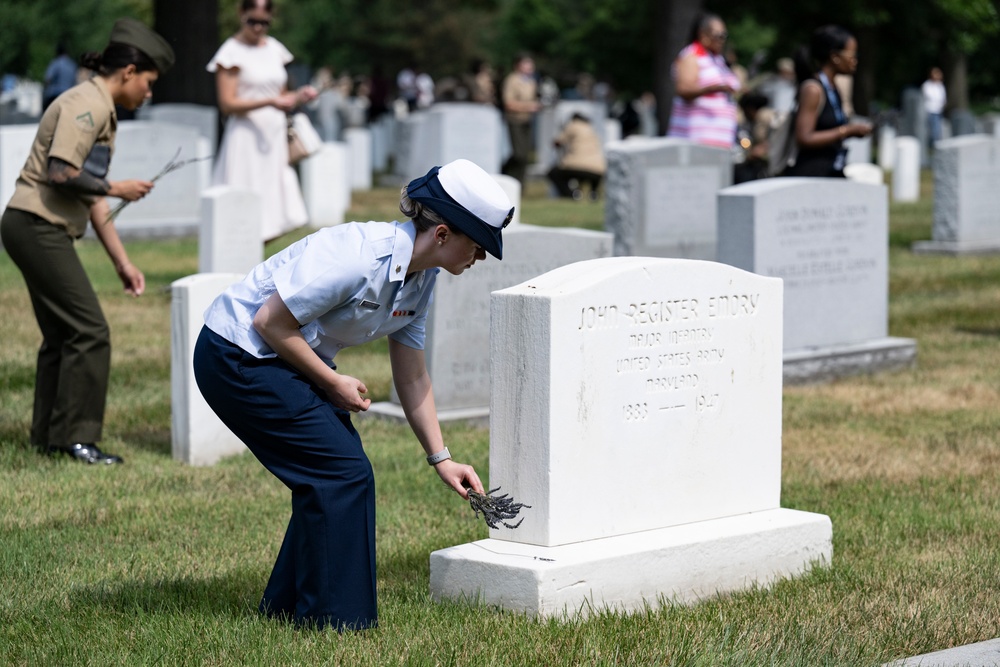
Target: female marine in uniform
[
  {"x": 265, "y": 363},
  {"x": 62, "y": 185}
]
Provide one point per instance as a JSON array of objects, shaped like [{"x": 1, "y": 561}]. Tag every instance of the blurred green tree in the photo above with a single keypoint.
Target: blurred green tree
[
  {"x": 31, "y": 29},
  {"x": 630, "y": 44}
]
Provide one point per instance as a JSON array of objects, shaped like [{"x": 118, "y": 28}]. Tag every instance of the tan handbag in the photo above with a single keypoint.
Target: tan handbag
[
  {"x": 296, "y": 151},
  {"x": 303, "y": 140}
]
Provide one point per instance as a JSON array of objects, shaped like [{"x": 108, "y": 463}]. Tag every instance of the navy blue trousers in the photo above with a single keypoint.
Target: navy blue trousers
[{"x": 324, "y": 575}]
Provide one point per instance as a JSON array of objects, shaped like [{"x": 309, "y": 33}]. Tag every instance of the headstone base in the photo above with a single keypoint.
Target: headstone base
[
  {"x": 956, "y": 247},
  {"x": 394, "y": 412},
  {"x": 821, "y": 364},
  {"x": 626, "y": 573}
]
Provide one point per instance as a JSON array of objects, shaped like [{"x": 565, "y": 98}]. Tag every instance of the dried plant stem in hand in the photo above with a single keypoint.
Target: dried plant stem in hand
[
  {"x": 173, "y": 165},
  {"x": 496, "y": 509}
]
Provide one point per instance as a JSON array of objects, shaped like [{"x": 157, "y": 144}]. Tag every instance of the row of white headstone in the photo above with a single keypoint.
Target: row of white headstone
[
  {"x": 476, "y": 132},
  {"x": 657, "y": 365},
  {"x": 142, "y": 150},
  {"x": 826, "y": 238},
  {"x": 173, "y": 208},
  {"x": 646, "y": 437},
  {"x": 458, "y": 325}
]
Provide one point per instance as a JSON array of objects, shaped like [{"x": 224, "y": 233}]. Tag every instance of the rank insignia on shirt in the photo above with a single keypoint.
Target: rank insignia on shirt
[
  {"x": 404, "y": 313},
  {"x": 85, "y": 121},
  {"x": 398, "y": 268},
  {"x": 369, "y": 305}
]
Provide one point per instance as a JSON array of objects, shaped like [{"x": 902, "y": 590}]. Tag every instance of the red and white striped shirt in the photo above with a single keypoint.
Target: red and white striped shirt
[{"x": 707, "y": 119}]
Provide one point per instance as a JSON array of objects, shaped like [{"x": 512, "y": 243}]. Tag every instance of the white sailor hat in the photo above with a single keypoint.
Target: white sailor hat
[{"x": 467, "y": 197}]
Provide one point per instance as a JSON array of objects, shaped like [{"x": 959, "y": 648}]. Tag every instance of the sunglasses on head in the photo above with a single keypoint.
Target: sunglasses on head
[{"x": 259, "y": 23}]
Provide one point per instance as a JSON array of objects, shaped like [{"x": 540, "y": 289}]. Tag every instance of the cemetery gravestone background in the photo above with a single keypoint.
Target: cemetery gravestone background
[
  {"x": 661, "y": 197},
  {"x": 827, "y": 239},
  {"x": 447, "y": 132},
  {"x": 173, "y": 208},
  {"x": 229, "y": 237},
  {"x": 966, "y": 197},
  {"x": 458, "y": 325},
  {"x": 636, "y": 407},
  {"x": 197, "y": 435}
]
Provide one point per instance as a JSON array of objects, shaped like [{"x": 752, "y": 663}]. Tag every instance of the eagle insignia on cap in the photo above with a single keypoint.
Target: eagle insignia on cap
[{"x": 510, "y": 216}]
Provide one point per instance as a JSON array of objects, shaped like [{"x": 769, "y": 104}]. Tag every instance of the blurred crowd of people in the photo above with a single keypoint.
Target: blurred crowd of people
[
  {"x": 717, "y": 101},
  {"x": 520, "y": 93},
  {"x": 791, "y": 122}
]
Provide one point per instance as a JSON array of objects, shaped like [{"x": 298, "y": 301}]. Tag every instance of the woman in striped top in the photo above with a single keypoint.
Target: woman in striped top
[{"x": 704, "y": 109}]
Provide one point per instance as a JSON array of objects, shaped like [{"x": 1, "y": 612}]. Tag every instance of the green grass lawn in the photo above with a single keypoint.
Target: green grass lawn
[{"x": 155, "y": 562}]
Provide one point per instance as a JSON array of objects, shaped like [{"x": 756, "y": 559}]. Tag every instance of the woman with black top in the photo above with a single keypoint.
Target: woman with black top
[{"x": 821, "y": 124}]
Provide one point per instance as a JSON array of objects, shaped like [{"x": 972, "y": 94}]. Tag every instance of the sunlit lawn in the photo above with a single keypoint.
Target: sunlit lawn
[{"x": 155, "y": 562}]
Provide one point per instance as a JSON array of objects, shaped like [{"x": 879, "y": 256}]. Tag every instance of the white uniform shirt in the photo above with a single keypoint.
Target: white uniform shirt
[
  {"x": 935, "y": 96},
  {"x": 345, "y": 285}
]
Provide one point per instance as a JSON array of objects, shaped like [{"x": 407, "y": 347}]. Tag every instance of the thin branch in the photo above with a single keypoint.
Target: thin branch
[{"x": 172, "y": 165}]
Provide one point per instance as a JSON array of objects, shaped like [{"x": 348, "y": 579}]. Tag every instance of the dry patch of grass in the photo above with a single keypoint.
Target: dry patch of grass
[{"x": 166, "y": 563}]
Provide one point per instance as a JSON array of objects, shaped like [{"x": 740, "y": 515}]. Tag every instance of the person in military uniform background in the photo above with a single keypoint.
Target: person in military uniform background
[
  {"x": 62, "y": 186},
  {"x": 519, "y": 95}
]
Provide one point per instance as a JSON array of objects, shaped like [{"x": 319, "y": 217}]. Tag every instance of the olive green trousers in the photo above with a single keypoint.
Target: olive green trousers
[{"x": 71, "y": 378}]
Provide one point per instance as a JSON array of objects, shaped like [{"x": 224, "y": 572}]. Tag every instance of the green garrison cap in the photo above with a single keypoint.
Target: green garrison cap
[{"x": 136, "y": 33}]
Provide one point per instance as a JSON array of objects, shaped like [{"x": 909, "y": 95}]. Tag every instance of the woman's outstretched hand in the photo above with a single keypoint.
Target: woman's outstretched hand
[{"x": 459, "y": 476}]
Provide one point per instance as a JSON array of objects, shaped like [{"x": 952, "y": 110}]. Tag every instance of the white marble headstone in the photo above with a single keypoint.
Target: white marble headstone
[
  {"x": 326, "y": 184},
  {"x": 887, "y": 147},
  {"x": 326, "y": 108},
  {"x": 359, "y": 143},
  {"x": 966, "y": 196},
  {"x": 229, "y": 238},
  {"x": 612, "y": 130},
  {"x": 859, "y": 149},
  {"x": 383, "y": 130},
  {"x": 142, "y": 150},
  {"x": 197, "y": 435},
  {"x": 865, "y": 172},
  {"x": 447, "y": 132},
  {"x": 204, "y": 119},
  {"x": 15, "y": 145},
  {"x": 637, "y": 409},
  {"x": 661, "y": 196},
  {"x": 828, "y": 239},
  {"x": 914, "y": 123},
  {"x": 652, "y": 386},
  {"x": 906, "y": 171}
]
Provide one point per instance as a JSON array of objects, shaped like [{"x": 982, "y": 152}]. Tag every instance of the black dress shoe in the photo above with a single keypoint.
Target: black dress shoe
[{"x": 88, "y": 453}]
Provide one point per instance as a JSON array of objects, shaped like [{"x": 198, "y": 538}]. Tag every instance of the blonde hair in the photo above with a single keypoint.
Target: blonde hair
[{"x": 423, "y": 217}]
